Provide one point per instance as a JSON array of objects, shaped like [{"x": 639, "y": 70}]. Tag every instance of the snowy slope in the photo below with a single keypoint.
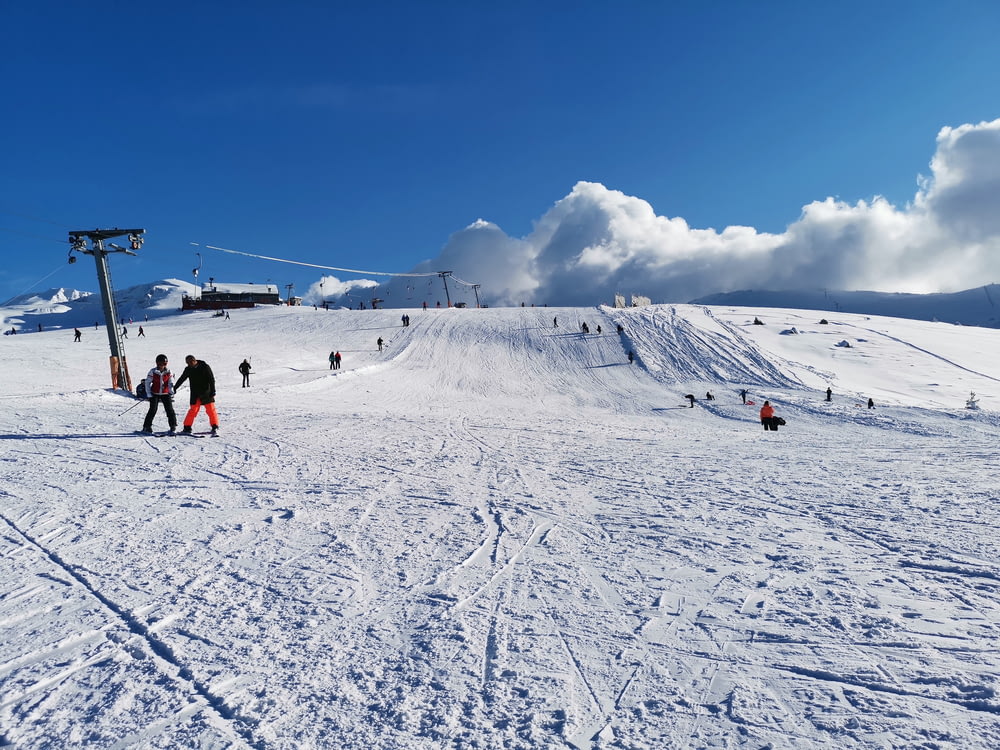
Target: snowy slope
[{"x": 498, "y": 533}]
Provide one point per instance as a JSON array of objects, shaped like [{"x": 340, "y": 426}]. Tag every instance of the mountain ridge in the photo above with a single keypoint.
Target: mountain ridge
[
  {"x": 61, "y": 307},
  {"x": 970, "y": 307}
]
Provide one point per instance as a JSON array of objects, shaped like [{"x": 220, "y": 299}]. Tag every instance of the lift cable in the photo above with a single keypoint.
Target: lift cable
[{"x": 310, "y": 265}]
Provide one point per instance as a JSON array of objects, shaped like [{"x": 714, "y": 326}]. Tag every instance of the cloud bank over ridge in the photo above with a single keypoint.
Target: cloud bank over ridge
[{"x": 596, "y": 241}]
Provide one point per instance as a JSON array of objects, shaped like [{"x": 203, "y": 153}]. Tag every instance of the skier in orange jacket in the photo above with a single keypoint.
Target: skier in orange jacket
[{"x": 767, "y": 417}]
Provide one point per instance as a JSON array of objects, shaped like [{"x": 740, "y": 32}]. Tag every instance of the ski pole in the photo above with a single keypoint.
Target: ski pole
[{"x": 131, "y": 407}]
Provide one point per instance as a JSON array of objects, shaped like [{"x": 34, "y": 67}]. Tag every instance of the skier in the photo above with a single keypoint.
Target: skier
[
  {"x": 743, "y": 394},
  {"x": 245, "y": 372},
  {"x": 202, "y": 393},
  {"x": 598, "y": 330},
  {"x": 690, "y": 397},
  {"x": 333, "y": 358},
  {"x": 709, "y": 396},
  {"x": 379, "y": 342},
  {"x": 871, "y": 403},
  {"x": 76, "y": 334},
  {"x": 767, "y": 417},
  {"x": 124, "y": 332},
  {"x": 555, "y": 322},
  {"x": 142, "y": 333},
  {"x": 336, "y": 361},
  {"x": 829, "y": 394},
  {"x": 159, "y": 390},
  {"x": 631, "y": 357}
]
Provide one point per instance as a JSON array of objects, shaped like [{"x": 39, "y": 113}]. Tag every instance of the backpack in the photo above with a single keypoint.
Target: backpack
[{"x": 140, "y": 390}]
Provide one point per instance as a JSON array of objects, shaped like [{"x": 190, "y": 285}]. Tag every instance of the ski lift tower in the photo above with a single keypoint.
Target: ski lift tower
[
  {"x": 78, "y": 241},
  {"x": 444, "y": 277}
]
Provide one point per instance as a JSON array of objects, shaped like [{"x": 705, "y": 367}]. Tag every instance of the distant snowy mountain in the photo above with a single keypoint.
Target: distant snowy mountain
[
  {"x": 973, "y": 307},
  {"x": 51, "y": 297},
  {"x": 71, "y": 308}
]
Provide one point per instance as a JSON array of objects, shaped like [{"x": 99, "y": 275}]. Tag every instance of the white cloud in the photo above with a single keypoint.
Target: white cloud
[
  {"x": 339, "y": 292},
  {"x": 596, "y": 241}
]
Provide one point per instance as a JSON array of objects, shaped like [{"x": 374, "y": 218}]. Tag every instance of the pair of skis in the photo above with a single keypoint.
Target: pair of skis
[{"x": 177, "y": 434}]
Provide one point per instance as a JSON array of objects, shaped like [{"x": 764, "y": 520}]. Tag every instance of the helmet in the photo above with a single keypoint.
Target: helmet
[{"x": 161, "y": 359}]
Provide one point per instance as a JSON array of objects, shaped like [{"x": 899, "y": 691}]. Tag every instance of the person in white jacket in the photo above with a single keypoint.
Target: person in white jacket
[{"x": 160, "y": 389}]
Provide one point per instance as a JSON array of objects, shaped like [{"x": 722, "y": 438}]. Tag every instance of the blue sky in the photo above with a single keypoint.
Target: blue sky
[{"x": 366, "y": 135}]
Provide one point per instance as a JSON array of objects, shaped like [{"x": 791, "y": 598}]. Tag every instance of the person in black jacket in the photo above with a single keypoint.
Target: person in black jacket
[
  {"x": 245, "y": 372},
  {"x": 202, "y": 392}
]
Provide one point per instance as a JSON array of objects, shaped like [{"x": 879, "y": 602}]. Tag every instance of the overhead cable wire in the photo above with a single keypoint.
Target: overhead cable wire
[
  {"x": 309, "y": 265},
  {"x": 36, "y": 283},
  {"x": 33, "y": 218},
  {"x": 32, "y": 236}
]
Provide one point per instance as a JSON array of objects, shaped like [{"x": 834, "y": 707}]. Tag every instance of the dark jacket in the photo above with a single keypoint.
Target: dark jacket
[{"x": 202, "y": 382}]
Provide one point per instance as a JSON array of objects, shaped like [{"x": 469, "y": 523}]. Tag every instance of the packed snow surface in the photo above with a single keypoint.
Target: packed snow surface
[{"x": 498, "y": 533}]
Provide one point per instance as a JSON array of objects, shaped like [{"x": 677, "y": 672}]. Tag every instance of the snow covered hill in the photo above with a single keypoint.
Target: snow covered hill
[
  {"x": 496, "y": 532},
  {"x": 970, "y": 307},
  {"x": 70, "y": 308}
]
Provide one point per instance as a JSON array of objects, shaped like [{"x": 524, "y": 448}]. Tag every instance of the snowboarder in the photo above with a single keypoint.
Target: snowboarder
[
  {"x": 202, "y": 392},
  {"x": 743, "y": 395},
  {"x": 245, "y": 372},
  {"x": 829, "y": 394},
  {"x": 767, "y": 417},
  {"x": 379, "y": 342},
  {"x": 76, "y": 334},
  {"x": 159, "y": 390}
]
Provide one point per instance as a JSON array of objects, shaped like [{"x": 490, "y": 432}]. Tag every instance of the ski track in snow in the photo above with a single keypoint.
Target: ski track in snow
[{"x": 498, "y": 533}]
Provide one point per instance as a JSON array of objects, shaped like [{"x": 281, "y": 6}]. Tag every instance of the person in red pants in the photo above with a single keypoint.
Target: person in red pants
[{"x": 202, "y": 392}]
